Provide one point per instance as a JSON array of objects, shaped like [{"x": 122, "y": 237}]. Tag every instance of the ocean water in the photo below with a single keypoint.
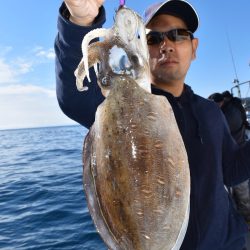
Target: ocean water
[{"x": 42, "y": 202}]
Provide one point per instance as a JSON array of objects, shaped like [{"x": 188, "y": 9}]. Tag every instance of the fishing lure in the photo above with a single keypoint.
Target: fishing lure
[{"x": 122, "y": 3}]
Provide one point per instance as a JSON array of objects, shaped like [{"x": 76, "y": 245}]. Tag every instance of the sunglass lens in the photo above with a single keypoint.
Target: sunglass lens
[
  {"x": 154, "y": 38},
  {"x": 181, "y": 35},
  {"x": 171, "y": 35}
]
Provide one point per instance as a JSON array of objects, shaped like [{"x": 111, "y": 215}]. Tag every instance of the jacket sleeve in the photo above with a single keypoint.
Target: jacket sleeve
[{"x": 79, "y": 106}]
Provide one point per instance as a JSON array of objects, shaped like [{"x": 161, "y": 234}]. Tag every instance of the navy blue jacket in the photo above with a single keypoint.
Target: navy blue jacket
[{"x": 214, "y": 158}]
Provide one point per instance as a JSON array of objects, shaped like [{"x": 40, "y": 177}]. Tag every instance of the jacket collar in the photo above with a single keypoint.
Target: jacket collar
[{"x": 186, "y": 95}]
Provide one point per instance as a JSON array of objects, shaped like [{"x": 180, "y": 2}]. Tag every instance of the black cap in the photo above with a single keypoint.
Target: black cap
[
  {"x": 217, "y": 97},
  {"x": 178, "y": 8}
]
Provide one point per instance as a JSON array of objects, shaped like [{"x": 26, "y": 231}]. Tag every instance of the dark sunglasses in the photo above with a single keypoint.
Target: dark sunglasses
[{"x": 175, "y": 35}]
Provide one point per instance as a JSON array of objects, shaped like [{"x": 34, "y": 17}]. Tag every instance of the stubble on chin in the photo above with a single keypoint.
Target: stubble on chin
[{"x": 163, "y": 75}]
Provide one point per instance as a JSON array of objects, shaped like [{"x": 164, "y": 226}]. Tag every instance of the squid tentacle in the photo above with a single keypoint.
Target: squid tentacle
[
  {"x": 93, "y": 59},
  {"x": 102, "y": 32}
]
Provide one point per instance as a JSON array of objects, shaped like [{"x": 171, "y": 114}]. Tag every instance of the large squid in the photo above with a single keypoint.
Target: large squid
[{"x": 136, "y": 173}]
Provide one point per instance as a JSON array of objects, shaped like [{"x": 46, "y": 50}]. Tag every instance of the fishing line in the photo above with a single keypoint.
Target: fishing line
[
  {"x": 232, "y": 56},
  {"x": 236, "y": 80}
]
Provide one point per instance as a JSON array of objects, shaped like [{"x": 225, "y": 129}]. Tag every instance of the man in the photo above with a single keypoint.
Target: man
[
  {"x": 237, "y": 121},
  {"x": 214, "y": 158},
  {"x": 236, "y": 116}
]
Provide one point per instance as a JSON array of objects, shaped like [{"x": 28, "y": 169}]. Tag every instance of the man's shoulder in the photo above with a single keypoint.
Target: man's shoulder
[
  {"x": 206, "y": 108},
  {"x": 236, "y": 101},
  {"x": 195, "y": 97},
  {"x": 204, "y": 101}
]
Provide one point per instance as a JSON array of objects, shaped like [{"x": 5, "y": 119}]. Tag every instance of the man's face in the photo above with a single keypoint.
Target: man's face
[{"x": 170, "y": 60}]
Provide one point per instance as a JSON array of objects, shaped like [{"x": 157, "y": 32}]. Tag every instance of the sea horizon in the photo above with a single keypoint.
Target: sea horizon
[{"x": 41, "y": 126}]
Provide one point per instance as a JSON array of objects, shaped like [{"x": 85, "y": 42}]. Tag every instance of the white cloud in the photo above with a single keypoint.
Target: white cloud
[
  {"x": 23, "y": 104},
  {"x": 22, "y": 66},
  {"x": 18, "y": 89},
  {"x": 26, "y": 106},
  {"x": 10, "y": 71},
  {"x": 7, "y": 74},
  {"x": 41, "y": 52},
  {"x": 30, "y": 110}
]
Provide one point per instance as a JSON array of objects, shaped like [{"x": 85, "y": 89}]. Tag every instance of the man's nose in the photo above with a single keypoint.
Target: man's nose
[{"x": 166, "y": 46}]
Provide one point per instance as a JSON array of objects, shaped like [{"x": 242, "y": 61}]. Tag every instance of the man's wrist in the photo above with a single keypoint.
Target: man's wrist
[{"x": 80, "y": 21}]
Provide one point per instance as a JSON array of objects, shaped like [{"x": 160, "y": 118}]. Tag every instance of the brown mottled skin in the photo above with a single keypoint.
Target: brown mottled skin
[{"x": 136, "y": 171}]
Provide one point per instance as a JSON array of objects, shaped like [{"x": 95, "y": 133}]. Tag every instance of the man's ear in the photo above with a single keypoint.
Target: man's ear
[{"x": 195, "y": 43}]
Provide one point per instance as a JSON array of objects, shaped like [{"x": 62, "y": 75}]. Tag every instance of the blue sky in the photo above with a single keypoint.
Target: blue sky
[{"x": 28, "y": 29}]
